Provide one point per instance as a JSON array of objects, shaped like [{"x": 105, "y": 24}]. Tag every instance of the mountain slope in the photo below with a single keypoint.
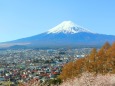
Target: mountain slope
[
  {"x": 66, "y": 34},
  {"x": 67, "y": 27}
]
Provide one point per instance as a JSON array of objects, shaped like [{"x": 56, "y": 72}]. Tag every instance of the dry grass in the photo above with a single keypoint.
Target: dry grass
[{"x": 88, "y": 79}]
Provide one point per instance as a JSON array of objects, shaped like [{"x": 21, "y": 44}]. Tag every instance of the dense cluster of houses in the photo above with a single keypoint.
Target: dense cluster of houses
[{"x": 24, "y": 65}]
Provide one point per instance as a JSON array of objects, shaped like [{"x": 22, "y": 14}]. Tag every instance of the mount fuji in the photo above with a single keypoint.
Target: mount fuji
[
  {"x": 66, "y": 34},
  {"x": 67, "y": 27}
]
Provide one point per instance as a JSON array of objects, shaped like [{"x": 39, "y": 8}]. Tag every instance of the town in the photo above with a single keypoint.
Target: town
[{"x": 22, "y": 65}]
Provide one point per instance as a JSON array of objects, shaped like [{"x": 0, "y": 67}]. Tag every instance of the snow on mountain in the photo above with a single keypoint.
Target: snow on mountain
[
  {"x": 63, "y": 35},
  {"x": 67, "y": 27}
]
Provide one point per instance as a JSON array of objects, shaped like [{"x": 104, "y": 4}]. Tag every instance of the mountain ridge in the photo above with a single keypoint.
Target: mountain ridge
[{"x": 66, "y": 34}]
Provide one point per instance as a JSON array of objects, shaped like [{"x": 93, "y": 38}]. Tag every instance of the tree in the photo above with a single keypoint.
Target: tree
[
  {"x": 106, "y": 46},
  {"x": 103, "y": 57},
  {"x": 111, "y": 58}
]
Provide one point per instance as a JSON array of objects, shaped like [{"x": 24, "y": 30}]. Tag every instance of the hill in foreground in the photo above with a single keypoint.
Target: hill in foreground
[{"x": 96, "y": 69}]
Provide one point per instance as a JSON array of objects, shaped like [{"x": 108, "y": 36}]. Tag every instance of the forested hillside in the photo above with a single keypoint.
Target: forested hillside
[{"x": 97, "y": 62}]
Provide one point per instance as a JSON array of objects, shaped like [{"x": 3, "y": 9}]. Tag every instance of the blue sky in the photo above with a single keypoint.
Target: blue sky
[{"x": 23, "y": 18}]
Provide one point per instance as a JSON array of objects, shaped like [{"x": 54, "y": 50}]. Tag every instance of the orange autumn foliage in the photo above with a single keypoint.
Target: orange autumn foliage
[{"x": 97, "y": 62}]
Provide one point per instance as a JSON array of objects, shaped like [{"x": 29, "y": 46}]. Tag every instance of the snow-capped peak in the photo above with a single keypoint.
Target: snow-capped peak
[{"x": 67, "y": 27}]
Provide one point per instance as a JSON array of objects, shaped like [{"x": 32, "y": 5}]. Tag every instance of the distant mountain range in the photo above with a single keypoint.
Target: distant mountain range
[{"x": 65, "y": 35}]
